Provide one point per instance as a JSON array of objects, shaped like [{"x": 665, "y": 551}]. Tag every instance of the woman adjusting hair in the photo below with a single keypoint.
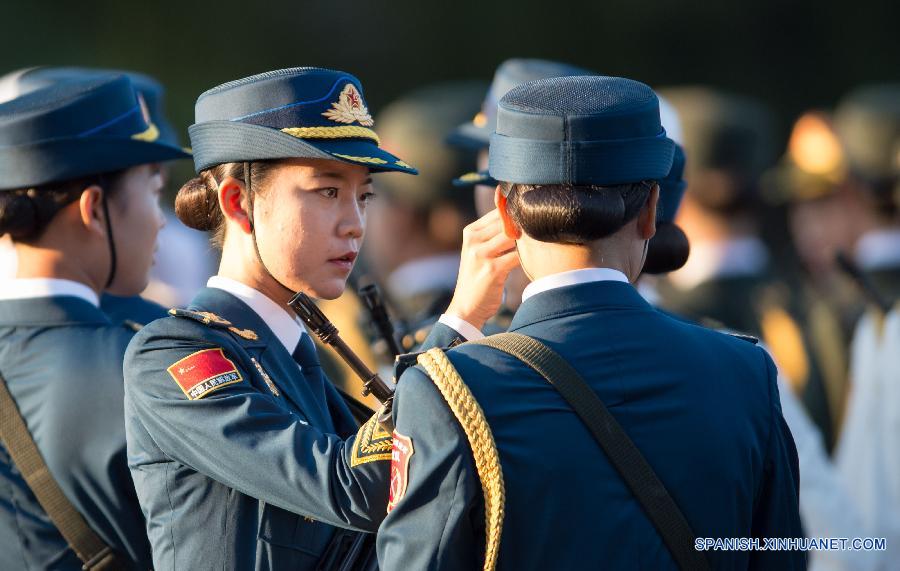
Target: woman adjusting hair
[
  {"x": 244, "y": 455},
  {"x": 594, "y": 402}
]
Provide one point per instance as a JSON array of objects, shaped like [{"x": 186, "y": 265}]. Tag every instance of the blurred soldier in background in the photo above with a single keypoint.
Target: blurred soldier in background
[
  {"x": 415, "y": 226},
  {"x": 825, "y": 216},
  {"x": 868, "y": 454},
  {"x": 475, "y": 135},
  {"x": 868, "y": 125},
  {"x": 728, "y": 282}
]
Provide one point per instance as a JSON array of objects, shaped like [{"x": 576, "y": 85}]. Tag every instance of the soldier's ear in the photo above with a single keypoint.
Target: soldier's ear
[
  {"x": 647, "y": 216},
  {"x": 231, "y": 201},
  {"x": 90, "y": 209},
  {"x": 510, "y": 228}
]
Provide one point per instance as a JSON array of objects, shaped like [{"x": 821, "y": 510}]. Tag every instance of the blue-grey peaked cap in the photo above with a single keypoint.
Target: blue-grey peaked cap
[
  {"x": 583, "y": 130},
  {"x": 476, "y": 134},
  {"x": 301, "y": 112}
]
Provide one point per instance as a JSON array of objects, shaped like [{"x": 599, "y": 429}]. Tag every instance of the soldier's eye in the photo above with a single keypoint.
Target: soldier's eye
[
  {"x": 329, "y": 192},
  {"x": 367, "y": 197}
]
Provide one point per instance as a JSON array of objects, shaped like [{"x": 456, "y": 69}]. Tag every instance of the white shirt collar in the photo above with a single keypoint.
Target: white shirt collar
[
  {"x": 737, "y": 257},
  {"x": 287, "y": 329},
  {"x": 879, "y": 249},
  {"x": 25, "y": 288},
  {"x": 573, "y": 277},
  {"x": 424, "y": 275}
]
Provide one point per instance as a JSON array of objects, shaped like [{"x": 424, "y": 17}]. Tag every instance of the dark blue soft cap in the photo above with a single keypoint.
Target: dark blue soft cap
[
  {"x": 476, "y": 134},
  {"x": 302, "y": 112},
  {"x": 20, "y": 82},
  {"x": 586, "y": 130},
  {"x": 76, "y": 128}
]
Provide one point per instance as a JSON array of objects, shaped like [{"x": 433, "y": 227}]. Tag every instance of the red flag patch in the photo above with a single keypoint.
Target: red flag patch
[
  {"x": 400, "y": 453},
  {"x": 203, "y": 372}
]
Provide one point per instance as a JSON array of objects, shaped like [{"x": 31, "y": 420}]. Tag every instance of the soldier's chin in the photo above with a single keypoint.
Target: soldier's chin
[{"x": 328, "y": 289}]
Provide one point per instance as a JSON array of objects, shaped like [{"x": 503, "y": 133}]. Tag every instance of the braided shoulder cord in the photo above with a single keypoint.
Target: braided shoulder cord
[{"x": 487, "y": 460}]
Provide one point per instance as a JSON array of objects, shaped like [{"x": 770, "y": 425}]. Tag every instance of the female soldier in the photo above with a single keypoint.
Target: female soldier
[
  {"x": 78, "y": 196},
  {"x": 239, "y": 457}
]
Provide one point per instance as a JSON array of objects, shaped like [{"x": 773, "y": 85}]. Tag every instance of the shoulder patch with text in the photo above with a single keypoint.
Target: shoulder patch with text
[
  {"x": 400, "y": 454},
  {"x": 204, "y": 372},
  {"x": 373, "y": 443}
]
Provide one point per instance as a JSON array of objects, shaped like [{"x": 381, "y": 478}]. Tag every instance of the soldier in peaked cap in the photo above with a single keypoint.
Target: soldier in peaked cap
[
  {"x": 475, "y": 135},
  {"x": 480, "y": 433},
  {"x": 867, "y": 121},
  {"x": 730, "y": 281},
  {"x": 417, "y": 228},
  {"x": 135, "y": 309},
  {"x": 78, "y": 196},
  {"x": 243, "y": 453}
]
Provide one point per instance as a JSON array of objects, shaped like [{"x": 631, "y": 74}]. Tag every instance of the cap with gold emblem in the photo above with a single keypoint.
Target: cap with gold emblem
[
  {"x": 76, "y": 128},
  {"x": 302, "y": 112}
]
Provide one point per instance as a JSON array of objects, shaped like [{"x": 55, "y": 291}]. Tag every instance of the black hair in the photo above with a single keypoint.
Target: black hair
[
  {"x": 567, "y": 214},
  {"x": 25, "y": 213},
  {"x": 668, "y": 249},
  {"x": 197, "y": 202}
]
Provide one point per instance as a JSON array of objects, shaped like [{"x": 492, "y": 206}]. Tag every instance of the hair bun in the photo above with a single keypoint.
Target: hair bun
[
  {"x": 18, "y": 215},
  {"x": 668, "y": 249},
  {"x": 197, "y": 206}
]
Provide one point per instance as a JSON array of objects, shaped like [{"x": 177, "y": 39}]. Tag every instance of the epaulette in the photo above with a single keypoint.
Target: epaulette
[
  {"x": 716, "y": 325},
  {"x": 213, "y": 320},
  {"x": 132, "y": 325},
  {"x": 403, "y": 362},
  {"x": 747, "y": 338},
  {"x": 411, "y": 340}
]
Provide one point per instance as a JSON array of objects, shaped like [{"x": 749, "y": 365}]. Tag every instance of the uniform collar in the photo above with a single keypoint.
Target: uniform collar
[
  {"x": 56, "y": 310},
  {"x": 572, "y": 277},
  {"x": 285, "y": 328},
  {"x": 579, "y": 298},
  {"x": 29, "y": 288},
  {"x": 733, "y": 258},
  {"x": 434, "y": 273},
  {"x": 879, "y": 249}
]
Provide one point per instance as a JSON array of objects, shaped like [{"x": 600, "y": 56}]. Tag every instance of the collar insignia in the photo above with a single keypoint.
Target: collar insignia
[
  {"x": 248, "y": 334},
  {"x": 215, "y": 321}
]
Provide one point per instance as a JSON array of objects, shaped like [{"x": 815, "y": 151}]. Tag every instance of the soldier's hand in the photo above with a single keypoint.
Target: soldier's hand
[{"x": 487, "y": 257}]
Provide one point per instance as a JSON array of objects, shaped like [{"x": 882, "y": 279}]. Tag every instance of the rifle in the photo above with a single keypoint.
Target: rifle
[
  {"x": 325, "y": 330},
  {"x": 855, "y": 273},
  {"x": 371, "y": 297}
]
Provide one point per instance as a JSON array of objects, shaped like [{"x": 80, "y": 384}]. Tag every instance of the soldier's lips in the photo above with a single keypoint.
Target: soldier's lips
[{"x": 344, "y": 261}]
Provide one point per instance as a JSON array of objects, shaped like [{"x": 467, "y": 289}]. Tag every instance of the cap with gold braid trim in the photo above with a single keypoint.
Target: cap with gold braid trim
[
  {"x": 75, "y": 128},
  {"x": 302, "y": 112}
]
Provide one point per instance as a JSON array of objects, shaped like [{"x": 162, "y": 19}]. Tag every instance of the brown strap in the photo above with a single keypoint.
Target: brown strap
[
  {"x": 621, "y": 451},
  {"x": 87, "y": 545}
]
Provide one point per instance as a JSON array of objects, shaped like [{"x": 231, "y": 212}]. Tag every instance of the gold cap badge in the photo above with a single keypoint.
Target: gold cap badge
[{"x": 349, "y": 108}]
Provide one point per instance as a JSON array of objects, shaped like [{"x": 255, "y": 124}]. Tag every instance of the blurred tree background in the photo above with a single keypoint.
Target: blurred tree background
[{"x": 794, "y": 54}]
